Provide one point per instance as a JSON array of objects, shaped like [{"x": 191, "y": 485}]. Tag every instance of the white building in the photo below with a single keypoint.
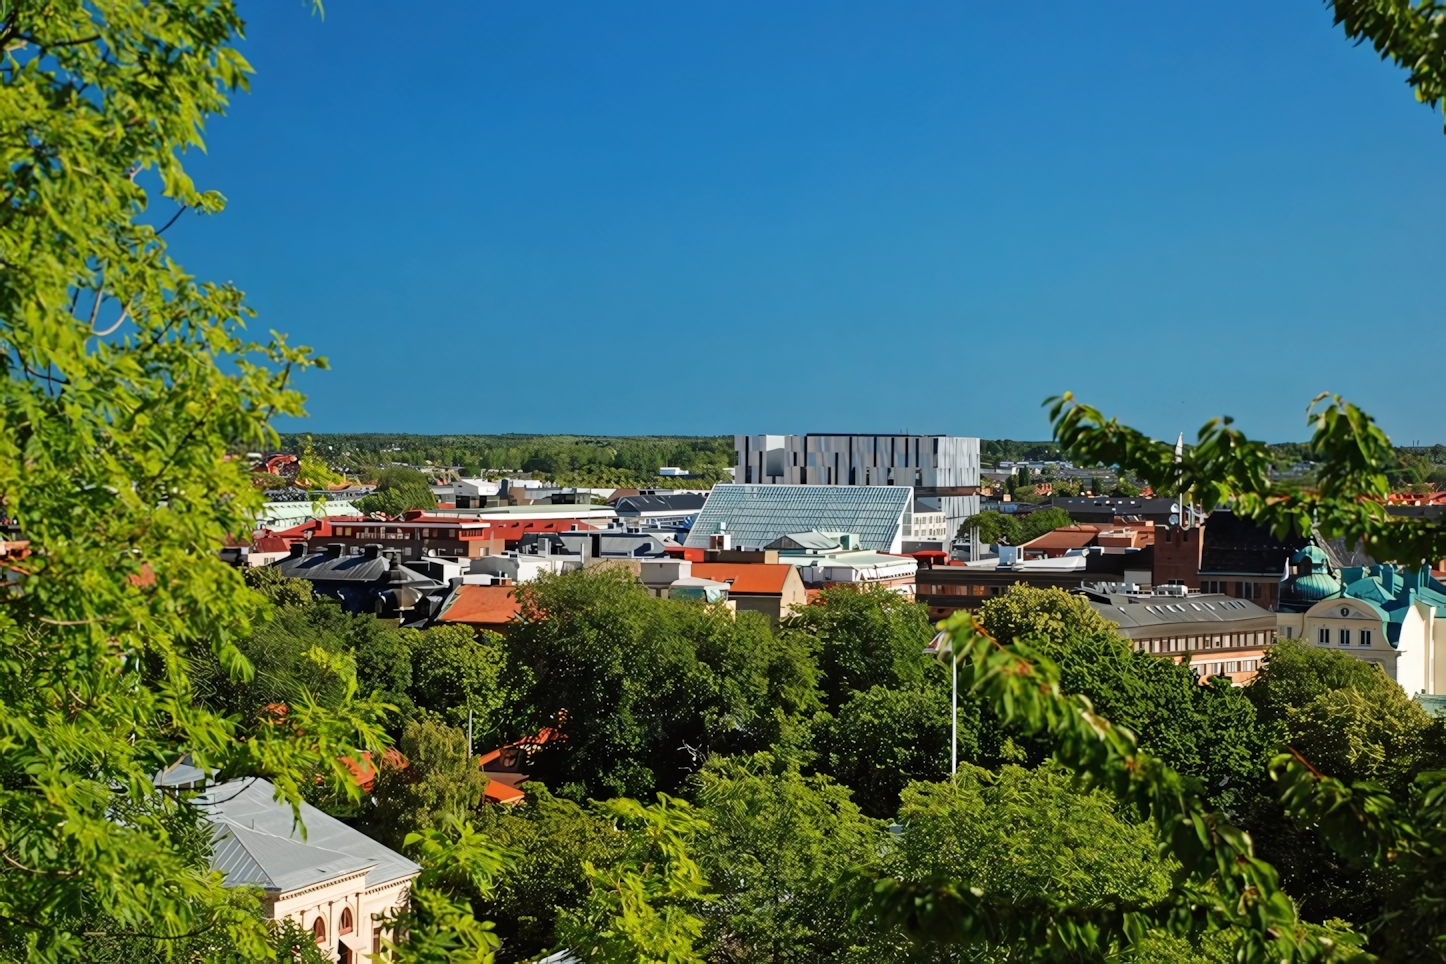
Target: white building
[
  {"x": 945, "y": 467},
  {"x": 333, "y": 881}
]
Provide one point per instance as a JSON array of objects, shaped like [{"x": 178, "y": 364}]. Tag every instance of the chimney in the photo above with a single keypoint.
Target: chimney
[
  {"x": 372, "y": 551},
  {"x": 334, "y": 550},
  {"x": 298, "y": 549}
]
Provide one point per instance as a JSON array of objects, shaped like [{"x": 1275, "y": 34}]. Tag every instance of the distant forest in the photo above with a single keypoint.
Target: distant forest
[
  {"x": 598, "y": 460},
  {"x": 634, "y": 460}
]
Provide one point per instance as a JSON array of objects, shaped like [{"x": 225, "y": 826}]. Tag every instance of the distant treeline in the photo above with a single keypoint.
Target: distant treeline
[
  {"x": 635, "y": 459},
  {"x": 569, "y": 459}
]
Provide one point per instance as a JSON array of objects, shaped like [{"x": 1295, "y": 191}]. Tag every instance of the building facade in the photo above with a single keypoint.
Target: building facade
[{"x": 943, "y": 467}]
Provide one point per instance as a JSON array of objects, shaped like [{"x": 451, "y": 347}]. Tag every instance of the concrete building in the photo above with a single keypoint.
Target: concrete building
[
  {"x": 943, "y": 467},
  {"x": 944, "y": 589},
  {"x": 832, "y": 559},
  {"x": 1220, "y": 636}
]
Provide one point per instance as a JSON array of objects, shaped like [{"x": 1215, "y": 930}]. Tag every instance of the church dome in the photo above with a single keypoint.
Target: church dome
[{"x": 1312, "y": 582}]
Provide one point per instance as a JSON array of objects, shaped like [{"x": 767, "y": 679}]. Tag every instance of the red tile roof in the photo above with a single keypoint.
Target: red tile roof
[
  {"x": 1069, "y": 537},
  {"x": 757, "y": 578},
  {"x": 482, "y": 606}
]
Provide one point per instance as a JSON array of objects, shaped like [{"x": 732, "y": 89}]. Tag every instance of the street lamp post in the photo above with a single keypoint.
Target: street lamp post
[{"x": 937, "y": 647}]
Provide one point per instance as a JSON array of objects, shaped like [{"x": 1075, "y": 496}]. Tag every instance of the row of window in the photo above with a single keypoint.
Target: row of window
[
  {"x": 1227, "y": 666},
  {"x": 1343, "y": 636},
  {"x": 382, "y": 532},
  {"x": 1243, "y": 590},
  {"x": 955, "y": 589},
  {"x": 1185, "y": 644}
]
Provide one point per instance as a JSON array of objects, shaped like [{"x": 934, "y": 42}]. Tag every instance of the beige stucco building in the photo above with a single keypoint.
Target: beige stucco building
[
  {"x": 1386, "y": 615},
  {"x": 336, "y": 882}
]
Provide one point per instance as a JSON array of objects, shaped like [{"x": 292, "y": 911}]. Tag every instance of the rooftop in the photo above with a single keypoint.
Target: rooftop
[
  {"x": 758, "y": 578},
  {"x": 481, "y": 606},
  {"x": 256, "y": 841},
  {"x": 756, "y": 515}
]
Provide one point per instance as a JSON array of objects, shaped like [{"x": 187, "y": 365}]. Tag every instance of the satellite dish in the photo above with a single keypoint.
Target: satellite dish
[
  {"x": 1174, "y": 518},
  {"x": 1174, "y": 507}
]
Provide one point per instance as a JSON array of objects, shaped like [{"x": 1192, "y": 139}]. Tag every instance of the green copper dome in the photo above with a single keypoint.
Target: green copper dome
[{"x": 1312, "y": 582}]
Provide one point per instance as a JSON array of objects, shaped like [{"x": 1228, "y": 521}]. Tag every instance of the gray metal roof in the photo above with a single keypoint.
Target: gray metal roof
[
  {"x": 256, "y": 841},
  {"x": 805, "y": 540},
  {"x": 755, "y": 515},
  {"x": 1141, "y": 616},
  {"x": 675, "y": 502}
]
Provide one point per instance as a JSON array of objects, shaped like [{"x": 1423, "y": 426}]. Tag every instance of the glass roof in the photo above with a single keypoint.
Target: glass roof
[{"x": 755, "y": 515}]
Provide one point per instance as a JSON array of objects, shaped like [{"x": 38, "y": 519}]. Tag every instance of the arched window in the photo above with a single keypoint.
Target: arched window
[
  {"x": 318, "y": 927},
  {"x": 345, "y": 926}
]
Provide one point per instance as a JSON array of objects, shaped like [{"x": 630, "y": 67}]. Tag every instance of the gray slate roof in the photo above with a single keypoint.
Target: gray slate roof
[
  {"x": 679, "y": 502},
  {"x": 756, "y": 515},
  {"x": 1143, "y": 617},
  {"x": 256, "y": 842}
]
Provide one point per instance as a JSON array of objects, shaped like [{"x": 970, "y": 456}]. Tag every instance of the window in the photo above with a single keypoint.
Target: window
[
  {"x": 344, "y": 927},
  {"x": 1324, "y": 636},
  {"x": 318, "y": 927},
  {"x": 1232, "y": 666},
  {"x": 1365, "y": 637},
  {"x": 1345, "y": 637}
]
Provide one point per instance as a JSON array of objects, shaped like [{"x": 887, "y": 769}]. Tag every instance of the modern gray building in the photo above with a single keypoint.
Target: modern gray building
[{"x": 942, "y": 467}]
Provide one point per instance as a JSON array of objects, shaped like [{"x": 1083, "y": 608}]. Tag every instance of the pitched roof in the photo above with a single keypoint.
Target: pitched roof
[
  {"x": 673, "y": 502},
  {"x": 482, "y": 606},
  {"x": 1068, "y": 537},
  {"x": 805, "y": 540},
  {"x": 749, "y": 578},
  {"x": 1143, "y": 615},
  {"x": 755, "y": 515},
  {"x": 255, "y": 840}
]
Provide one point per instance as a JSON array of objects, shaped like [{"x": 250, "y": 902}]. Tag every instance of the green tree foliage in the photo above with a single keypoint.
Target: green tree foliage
[
  {"x": 1348, "y": 719},
  {"x": 995, "y": 528},
  {"x": 1210, "y": 733},
  {"x": 124, "y": 385},
  {"x": 436, "y": 784},
  {"x": 1220, "y": 884},
  {"x": 308, "y": 650},
  {"x": 454, "y": 671},
  {"x": 439, "y": 924},
  {"x": 1407, "y": 34},
  {"x": 1008, "y": 528},
  {"x": 861, "y": 637},
  {"x": 398, "y": 490},
  {"x": 778, "y": 843},
  {"x": 570, "y": 460},
  {"x": 644, "y": 689},
  {"x": 1028, "y": 836},
  {"x": 641, "y": 909},
  {"x": 552, "y": 841},
  {"x": 882, "y": 739}
]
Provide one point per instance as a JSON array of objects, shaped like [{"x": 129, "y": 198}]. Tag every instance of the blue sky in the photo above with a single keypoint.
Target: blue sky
[{"x": 691, "y": 218}]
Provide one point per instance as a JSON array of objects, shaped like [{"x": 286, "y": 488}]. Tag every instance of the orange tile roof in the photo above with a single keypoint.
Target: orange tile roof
[
  {"x": 498, "y": 792},
  {"x": 482, "y": 606},
  {"x": 1069, "y": 537},
  {"x": 762, "y": 578}
]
